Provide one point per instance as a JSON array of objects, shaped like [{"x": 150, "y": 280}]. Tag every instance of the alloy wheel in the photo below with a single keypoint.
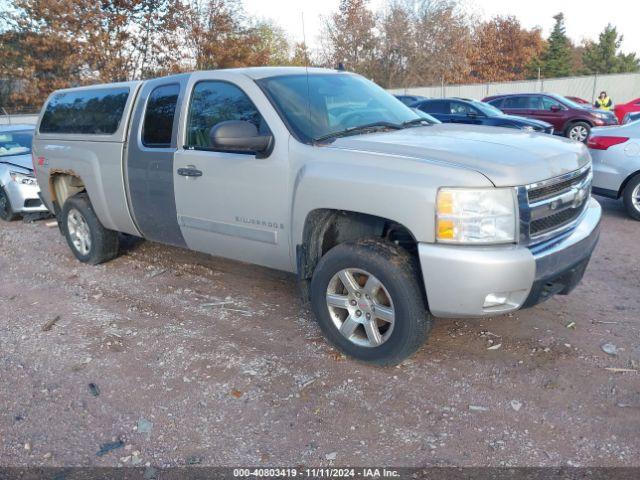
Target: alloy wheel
[
  {"x": 360, "y": 307},
  {"x": 579, "y": 133},
  {"x": 79, "y": 232}
]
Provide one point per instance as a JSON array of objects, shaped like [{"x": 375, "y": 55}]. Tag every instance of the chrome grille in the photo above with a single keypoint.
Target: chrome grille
[{"x": 549, "y": 208}]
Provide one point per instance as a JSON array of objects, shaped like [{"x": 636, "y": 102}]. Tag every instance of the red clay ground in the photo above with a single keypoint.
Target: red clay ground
[{"x": 230, "y": 368}]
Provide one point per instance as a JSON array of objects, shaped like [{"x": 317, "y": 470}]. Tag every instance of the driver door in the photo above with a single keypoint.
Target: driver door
[{"x": 233, "y": 205}]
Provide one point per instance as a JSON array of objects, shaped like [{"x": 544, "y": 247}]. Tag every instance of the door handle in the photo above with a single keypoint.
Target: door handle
[{"x": 189, "y": 172}]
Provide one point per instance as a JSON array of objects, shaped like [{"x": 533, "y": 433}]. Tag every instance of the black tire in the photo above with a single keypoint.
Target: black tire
[
  {"x": 578, "y": 125},
  {"x": 6, "y": 211},
  {"x": 400, "y": 275},
  {"x": 627, "y": 197},
  {"x": 104, "y": 243}
]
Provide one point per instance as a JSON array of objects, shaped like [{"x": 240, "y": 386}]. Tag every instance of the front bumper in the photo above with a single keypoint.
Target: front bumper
[
  {"x": 24, "y": 198},
  {"x": 458, "y": 279}
]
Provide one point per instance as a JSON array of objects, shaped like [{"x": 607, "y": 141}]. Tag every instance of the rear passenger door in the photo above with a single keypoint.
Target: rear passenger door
[{"x": 149, "y": 160}]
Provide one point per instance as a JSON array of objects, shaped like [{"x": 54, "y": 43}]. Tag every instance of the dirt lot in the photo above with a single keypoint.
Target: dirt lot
[{"x": 198, "y": 360}]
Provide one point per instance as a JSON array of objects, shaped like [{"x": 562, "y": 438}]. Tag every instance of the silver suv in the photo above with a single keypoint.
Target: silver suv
[{"x": 385, "y": 218}]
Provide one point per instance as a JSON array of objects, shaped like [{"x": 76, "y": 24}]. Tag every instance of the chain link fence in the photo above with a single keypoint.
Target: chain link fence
[{"x": 621, "y": 87}]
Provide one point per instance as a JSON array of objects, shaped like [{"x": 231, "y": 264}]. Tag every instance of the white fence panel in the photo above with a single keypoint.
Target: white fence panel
[{"x": 621, "y": 87}]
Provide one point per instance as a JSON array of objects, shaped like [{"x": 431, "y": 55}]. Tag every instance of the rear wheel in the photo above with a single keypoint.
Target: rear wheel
[
  {"x": 368, "y": 301},
  {"x": 578, "y": 131},
  {"x": 631, "y": 197},
  {"x": 89, "y": 241},
  {"x": 6, "y": 211}
]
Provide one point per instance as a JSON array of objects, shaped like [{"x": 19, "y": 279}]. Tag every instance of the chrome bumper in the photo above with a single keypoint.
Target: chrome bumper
[{"x": 466, "y": 281}]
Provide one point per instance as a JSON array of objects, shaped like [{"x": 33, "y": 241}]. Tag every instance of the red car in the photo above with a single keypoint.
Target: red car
[
  {"x": 623, "y": 108},
  {"x": 579, "y": 100},
  {"x": 568, "y": 118}
]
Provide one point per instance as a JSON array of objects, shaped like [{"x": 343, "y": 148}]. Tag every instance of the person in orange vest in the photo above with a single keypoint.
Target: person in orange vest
[{"x": 603, "y": 102}]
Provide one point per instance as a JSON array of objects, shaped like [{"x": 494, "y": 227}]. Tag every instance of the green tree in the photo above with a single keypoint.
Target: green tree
[
  {"x": 557, "y": 59},
  {"x": 603, "y": 56}
]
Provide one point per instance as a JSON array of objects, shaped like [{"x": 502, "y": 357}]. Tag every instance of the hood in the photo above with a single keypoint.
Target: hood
[
  {"x": 505, "y": 156},
  {"x": 22, "y": 161}
]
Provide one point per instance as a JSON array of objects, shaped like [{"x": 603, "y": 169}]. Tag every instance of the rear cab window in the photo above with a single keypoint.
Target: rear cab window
[
  {"x": 159, "y": 117},
  {"x": 90, "y": 111}
]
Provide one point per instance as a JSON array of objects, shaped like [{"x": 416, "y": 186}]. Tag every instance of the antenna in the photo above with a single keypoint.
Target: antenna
[{"x": 306, "y": 67}]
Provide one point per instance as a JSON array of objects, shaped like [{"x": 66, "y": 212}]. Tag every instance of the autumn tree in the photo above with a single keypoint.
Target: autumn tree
[
  {"x": 604, "y": 56},
  {"x": 350, "y": 38},
  {"x": 397, "y": 44},
  {"x": 556, "y": 61},
  {"x": 503, "y": 50},
  {"x": 52, "y": 44},
  {"x": 220, "y": 35}
]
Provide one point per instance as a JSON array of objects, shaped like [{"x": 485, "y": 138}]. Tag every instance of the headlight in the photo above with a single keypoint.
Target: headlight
[
  {"x": 476, "y": 216},
  {"x": 602, "y": 116},
  {"x": 23, "y": 179},
  {"x": 528, "y": 128}
]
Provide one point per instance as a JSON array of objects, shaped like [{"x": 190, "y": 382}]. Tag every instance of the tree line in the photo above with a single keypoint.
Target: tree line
[{"x": 51, "y": 44}]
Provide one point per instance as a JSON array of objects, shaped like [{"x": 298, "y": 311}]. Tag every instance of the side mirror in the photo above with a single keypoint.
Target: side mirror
[
  {"x": 238, "y": 135},
  {"x": 555, "y": 108}
]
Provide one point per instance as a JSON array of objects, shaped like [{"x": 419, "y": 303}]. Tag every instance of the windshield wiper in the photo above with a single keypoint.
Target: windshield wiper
[
  {"x": 416, "y": 121},
  {"x": 356, "y": 130}
]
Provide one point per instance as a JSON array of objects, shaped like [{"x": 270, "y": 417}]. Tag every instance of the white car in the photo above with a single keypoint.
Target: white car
[
  {"x": 18, "y": 186},
  {"x": 616, "y": 164}
]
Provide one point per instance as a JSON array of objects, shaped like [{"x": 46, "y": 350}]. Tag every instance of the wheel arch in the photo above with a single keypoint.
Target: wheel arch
[
  {"x": 626, "y": 182},
  {"x": 325, "y": 228}
]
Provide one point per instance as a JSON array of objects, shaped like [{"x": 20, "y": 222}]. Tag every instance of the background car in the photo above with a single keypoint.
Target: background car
[
  {"x": 409, "y": 100},
  {"x": 459, "y": 110},
  {"x": 578, "y": 100},
  {"x": 616, "y": 164},
  {"x": 622, "y": 109},
  {"x": 18, "y": 186},
  {"x": 568, "y": 118},
  {"x": 631, "y": 117}
]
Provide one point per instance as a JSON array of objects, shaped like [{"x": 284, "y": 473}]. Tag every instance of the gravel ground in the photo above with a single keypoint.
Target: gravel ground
[{"x": 190, "y": 359}]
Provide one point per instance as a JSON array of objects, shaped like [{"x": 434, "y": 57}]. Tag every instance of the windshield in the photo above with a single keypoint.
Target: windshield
[
  {"x": 488, "y": 110},
  {"x": 15, "y": 143},
  {"x": 571, "y": 103},
  {"x": 318, "y": 105}
]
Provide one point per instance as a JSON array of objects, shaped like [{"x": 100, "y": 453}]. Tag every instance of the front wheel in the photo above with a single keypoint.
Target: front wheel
[
  {"x": 631, "y": 197},
  {"x": 6, "y": 211},
  {"x": 579, "y": 131},
  {"x": 369, "y": 303},
  {"x": 89, "y": 241}
]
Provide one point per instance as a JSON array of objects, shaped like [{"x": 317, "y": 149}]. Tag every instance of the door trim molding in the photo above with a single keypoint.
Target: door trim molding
[{"x": 230, "y": 230}]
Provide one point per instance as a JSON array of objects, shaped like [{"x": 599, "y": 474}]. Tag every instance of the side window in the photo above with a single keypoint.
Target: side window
[
  {"x": 213, "y": 102},
  {"x": 159, "y": 116},
  {"x": 535, "y": 103},
  {"x": 517, "y": 102},
  {"x": 435, "y": 106},
  {"x": 89, "y": 111},
  {"x": 548, "y": 103},
  {"x": 458, "y": 108},
  {"x": 497, "y": 103}
]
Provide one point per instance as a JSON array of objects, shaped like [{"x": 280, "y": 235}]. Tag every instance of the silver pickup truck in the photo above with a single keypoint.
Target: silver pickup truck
[{"x": 385, "y": 217}]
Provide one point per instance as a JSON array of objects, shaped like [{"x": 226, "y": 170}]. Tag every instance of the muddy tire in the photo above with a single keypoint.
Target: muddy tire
[
  {"x": 631, "y": 197},
  {"x": 89, "y": 241},
  {"x": 368, "y": 299},
  {"x": 6, "y": 211}
]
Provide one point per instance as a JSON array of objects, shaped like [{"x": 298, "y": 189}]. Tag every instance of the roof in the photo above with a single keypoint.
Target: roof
[{"x": 257, "y": 73}]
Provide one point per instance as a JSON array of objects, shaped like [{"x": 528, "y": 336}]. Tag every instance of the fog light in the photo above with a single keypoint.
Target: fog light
[{"x": 495, "y": 300}]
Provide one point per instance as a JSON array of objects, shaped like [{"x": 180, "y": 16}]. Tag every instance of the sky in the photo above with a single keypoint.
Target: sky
[{"x": 585, "y": 19}]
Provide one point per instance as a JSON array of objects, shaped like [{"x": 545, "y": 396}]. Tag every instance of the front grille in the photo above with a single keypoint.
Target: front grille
[
  {"x": 540, "y": 193},
  {"x": 549, "y": 208},
  {"x": 552, "y": 222}
]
